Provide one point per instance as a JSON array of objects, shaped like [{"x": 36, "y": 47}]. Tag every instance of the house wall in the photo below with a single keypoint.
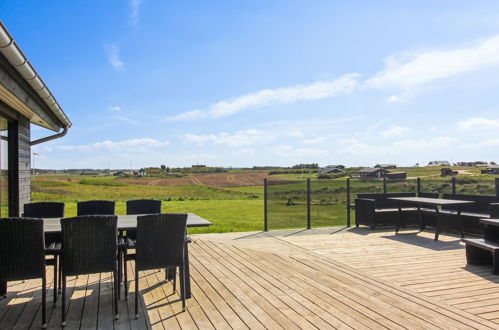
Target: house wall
[{"x": 24, "y": 156}]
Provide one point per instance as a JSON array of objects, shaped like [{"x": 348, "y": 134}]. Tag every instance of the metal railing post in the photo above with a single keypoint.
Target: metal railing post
[
  {"x": 265, "y": 213},
  {"x": 453, "y": 180},
  {"x": 418, "y": 186},
  {"x": 308, "y": 203},
  {"x": 384, "y": 186},
  {"x": 348, "y": 202},
  {"x": 497, "y": 187}
]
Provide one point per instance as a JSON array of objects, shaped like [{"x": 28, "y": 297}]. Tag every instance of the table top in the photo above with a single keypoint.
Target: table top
[
  {"x": 126, "y": 222},
  {"x": 431, "y": 201}
]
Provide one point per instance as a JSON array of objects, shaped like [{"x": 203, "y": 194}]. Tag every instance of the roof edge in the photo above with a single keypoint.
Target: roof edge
[{"x": 14, "y": 55}]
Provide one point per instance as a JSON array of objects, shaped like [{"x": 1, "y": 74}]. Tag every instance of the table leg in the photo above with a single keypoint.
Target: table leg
[
  {"x": 461, "y": 224},
  {"x": 438, "y": 229},
  {"x": 3, "y": 289},
  {"x": 420, "y": 218},
  {"x": 187, "y": 273},
  {"x": 399, "y": 219}
]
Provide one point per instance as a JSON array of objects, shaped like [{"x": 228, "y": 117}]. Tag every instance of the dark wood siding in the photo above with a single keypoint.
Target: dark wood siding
[{"x": 24, "y": 162}]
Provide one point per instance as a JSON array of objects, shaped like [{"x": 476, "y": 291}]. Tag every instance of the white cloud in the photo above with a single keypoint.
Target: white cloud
[
  {"x": 240, "y": 138},
  {"x": 285, "y": 150},
  {"x": 408, "y": 70},
  {"x": 477, "y": 123},
  {"x": 114, "y": 108},
  {"x": 134, "y": 12},
  {"x": 141, "y": 144},
  {"x": 126, "y": 120},
  {"x": 113, "y": 56},
  {"x": 395, "y": 99},
  {"x": 317, "y": 140},
  {"x": 490, "y": 143},
  {"x": 247, "y": 152},
  {"x": 355, "y": 147},
  {"x": 424, "y": 144},
  {"x": 394, "y": 131},
  {"x": 267, "y": 97},
  {"x": 39, "y": 149}
]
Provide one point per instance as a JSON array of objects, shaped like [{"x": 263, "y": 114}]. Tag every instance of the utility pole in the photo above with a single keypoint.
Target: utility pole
[{"x": 33, "y": 168}]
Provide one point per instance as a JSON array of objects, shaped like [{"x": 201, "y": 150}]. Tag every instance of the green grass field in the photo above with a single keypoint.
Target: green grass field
[{"x": 241, "y": 208}]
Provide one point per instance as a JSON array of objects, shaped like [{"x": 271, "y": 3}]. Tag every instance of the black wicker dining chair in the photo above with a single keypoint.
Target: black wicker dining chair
[
  {"x": 22, "y": 254},
  {"x": 52, "y": 241},
  {"x": 44, "y": 210},
  {"x": 96, "y": 207},
  {"x": 160, "y": 244},
  {"x": 143, "y": 206},
  {"x": 89, "y": 246},
  {"x": 134, "y": 207}
]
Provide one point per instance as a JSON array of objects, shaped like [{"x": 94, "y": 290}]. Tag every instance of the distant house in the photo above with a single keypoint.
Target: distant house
[
  {"x": 326, "y": 170},
  {"x": 335, "y": 166},
  {"x": 121, "y": 173},
  {"x": 438, "y": 163},
  {"x": 198, "y": 166},
  {"x": 492, "y": 169},
  {"x": 396, "y": 175},
  {"x": 373, "y": 172},
  {"x": 476, "y": 163},
  {"x": 141, "y": 172},
  {"x": 447, "y": 171},
  {"x": 386, "y": 166}
]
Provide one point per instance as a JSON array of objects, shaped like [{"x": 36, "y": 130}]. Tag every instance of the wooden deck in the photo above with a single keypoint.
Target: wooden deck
[{"x": 325, "y": 278}]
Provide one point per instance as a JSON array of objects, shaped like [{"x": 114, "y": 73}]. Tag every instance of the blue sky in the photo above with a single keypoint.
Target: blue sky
[{"x": 243, "y": 83}]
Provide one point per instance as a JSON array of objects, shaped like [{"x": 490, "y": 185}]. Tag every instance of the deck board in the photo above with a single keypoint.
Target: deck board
[{"x": 341, "y": 279}]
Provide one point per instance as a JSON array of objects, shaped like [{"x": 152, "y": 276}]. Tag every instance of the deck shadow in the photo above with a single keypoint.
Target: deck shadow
[{"x": 425, "y": 242}]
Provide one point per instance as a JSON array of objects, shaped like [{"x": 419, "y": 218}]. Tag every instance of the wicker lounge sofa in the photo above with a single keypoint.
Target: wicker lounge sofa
[{"x": 375, "y": 210}]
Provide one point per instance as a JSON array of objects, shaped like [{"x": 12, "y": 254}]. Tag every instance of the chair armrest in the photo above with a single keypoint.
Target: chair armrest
[{"x": 365, "y": 210}]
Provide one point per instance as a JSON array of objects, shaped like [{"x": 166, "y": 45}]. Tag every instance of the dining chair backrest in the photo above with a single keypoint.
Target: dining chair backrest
[
  {"x": 96, "y": 207},
  {"x": 160, "y": 240},
  {"x": 143, "y": 206},
  {"x": 89, "y": 244},
  {"x": 44, "y": 210},
  {"x": 22, "y": 249}
]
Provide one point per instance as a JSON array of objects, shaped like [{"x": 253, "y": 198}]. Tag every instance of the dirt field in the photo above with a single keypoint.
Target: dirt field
[{"x": 209, "y": 179}]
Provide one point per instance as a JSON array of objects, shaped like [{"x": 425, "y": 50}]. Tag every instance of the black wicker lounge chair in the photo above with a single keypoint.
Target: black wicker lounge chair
[
  {"x": 160, "y": 244},
  {"x": 96, "y": 207},
  {"x": 89, "y": 246},
  {"x": 22, "y": 254},
  {"x": 143, "y": 206},
  {"x": 52, "y": 241}
]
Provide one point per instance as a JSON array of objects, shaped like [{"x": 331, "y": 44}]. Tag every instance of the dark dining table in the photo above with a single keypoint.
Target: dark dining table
[
  {"x": 436, "y": 204},
  {"x": 52, "y": 229}
]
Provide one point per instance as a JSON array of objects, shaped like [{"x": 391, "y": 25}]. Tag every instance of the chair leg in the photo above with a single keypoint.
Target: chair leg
[
  {"x": 182, "y": 286},
  {"x": 56, "y": 260},
  {"x": 175, "y": 281},
  {"x": 118, "y": 275},
  {"x": 125, "y": 271},
  {"x": 3, "y": 289},
  {"x": 44, "y": 301},
  {"x": 136, "y": 292},
  {"x": 60, "y": 274},
  {"x": 116, "y": 290},
  {"x": 63, "y": 301}
]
